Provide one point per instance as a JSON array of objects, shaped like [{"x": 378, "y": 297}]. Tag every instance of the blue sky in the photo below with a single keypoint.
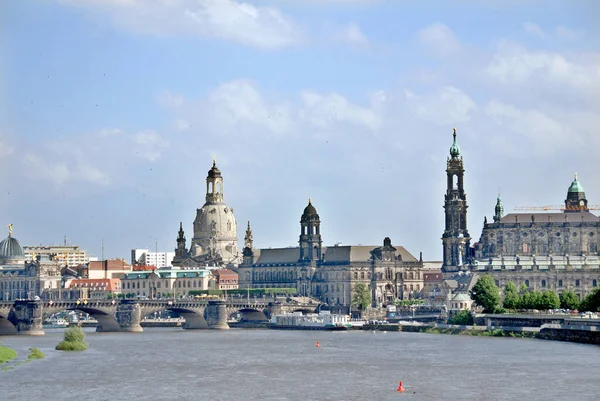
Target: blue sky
[{"x": 111, "y": 112}]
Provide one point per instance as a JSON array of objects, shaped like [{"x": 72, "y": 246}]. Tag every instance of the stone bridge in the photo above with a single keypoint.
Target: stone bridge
[{"x": 26, "y": 316}]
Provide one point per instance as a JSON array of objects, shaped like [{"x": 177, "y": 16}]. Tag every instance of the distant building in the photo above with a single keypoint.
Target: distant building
[
  {"x": 162, "y": 283},
  {"x": 25, "y": 279},
  {"x": 215, "y": 230},
  {"x": 146, "y": 257},
  {"x": 225, "y": 279},
  {"x": 93, "y": 288},
  {"x": 105, "y": 269},
  {"x": 69, "y": 255},
  {"x": 332, "y": 273}
]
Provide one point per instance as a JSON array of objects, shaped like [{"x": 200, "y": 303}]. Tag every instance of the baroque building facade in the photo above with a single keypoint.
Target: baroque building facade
[
  {"x": 544, "y": 251},
  {"x": 332, "y": 273},
  {"x": 22, "y": 278},
  {"x": 215, "y": 230}
]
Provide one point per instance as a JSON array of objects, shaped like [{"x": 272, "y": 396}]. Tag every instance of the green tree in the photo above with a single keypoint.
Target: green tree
[
  {"x": 591, "y": 303},
  {"x": 462, "y": 317},
  {"x": 362, "y": 296},
  {"x": 529, "y": 300},
  {"x": 569, "y": 300},
  {"x": 511, "y": 296},
  {"x": 486, "y": 294},
  {"x": 548, "y": 300}
]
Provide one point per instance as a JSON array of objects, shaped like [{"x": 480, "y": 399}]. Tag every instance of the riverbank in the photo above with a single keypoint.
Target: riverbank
[
  {"x": 7, "y": 354},
  {"x": 560, "y": 333}
]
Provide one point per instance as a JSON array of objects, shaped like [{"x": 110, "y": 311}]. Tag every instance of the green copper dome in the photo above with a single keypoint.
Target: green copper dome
[
  {"x": 576, "y": 186},
  {"x": 454, "y": 149}
]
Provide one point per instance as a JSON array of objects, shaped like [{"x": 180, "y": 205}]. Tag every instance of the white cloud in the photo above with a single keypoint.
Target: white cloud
[
  {"x": 353, "y": 35},
  {"x": 325, "y": 110},
  {"x": 448, "y": 106},
  {"x": 535, "y": 130},
  {"x": 149, "y": 144},
  {"x": 241, "y": 22},
  {"x": 534, "y": 29},
  {"x": 439, "y": 39},
  {"x": 513, "y": 63},
  {"x": 566, "y": 33},
  {"x": 237, "y": 102}
]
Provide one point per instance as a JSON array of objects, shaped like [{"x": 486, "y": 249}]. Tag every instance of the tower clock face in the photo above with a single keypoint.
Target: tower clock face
[
  {"x": 387, "y": 258},
  {"x": 581, "y": 203}
]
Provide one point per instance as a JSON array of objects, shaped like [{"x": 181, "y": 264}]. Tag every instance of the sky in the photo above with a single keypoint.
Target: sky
[{"x": 111, "y": 112}]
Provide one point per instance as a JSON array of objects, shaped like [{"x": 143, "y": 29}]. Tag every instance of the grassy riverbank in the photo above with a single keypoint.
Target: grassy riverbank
[
  {"x": 7, "y": 354},
  {"x": 481, "y": 333}
]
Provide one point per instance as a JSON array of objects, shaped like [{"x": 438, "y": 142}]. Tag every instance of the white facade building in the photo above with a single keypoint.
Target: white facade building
[
  {"x": 69, "y": 255},
  {"x": 146, "y": 258}
]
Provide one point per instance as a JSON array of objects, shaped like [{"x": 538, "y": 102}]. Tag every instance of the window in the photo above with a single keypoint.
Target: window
[
  {"x": 577, "y": 283},
  {"x": 560, "y": 283},
  {"x": 543, "y": 283},
  {"x": 526, "y": 283},
  {"x": 355, "y": 275}
]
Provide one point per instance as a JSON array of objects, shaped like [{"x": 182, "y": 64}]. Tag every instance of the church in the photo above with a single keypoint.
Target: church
[
  {"x": 215, "y": 230},
  {"x": 544, "y": 251},
  {"x": 331, "y": 273}
]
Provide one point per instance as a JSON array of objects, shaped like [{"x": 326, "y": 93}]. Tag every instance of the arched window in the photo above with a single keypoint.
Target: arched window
[
  {"x": 560, "y": 283},
  {"x": 526, "y": 283},
  {"x": 594, "y": 283},
  {"x": 577, "y": 282},
  {"x": 210, "y": 187},
  {"x": 362, "y": 275},
  {"x": 543, "y": 283},
  {"x": 526, "y": 248},
  {"x": 355, "y": 275}
]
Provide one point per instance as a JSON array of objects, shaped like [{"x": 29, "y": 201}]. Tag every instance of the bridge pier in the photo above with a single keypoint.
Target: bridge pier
[
  {"x": 129, "y": 316},
  {"x": 216, "y": 315},
  {"x": 27, "y": 318}
]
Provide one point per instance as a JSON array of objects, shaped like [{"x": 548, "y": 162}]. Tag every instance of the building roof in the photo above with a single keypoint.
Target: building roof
[
  {"x": 277, "y": 255},
  {"x": 550, "y": 218},
  {"x": 11, "y": 249},
  {"x": 461, "y": 282},
  {"x": 576, "y": 186},
  {"x": 433, "y": 277},
  {"x": 310, "y": 210},
  {"x": 224, "y": 272},
  {"x": 462, "y": 297},
  {"x": 111, "y": 264},
  {"x": 104, "y": 284}
]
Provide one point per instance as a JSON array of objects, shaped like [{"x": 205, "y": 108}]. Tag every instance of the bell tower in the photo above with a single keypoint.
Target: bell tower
[
  {"x": 214, "y": 185},
  {"x": 248, "y": 253},
  {"x": 456, "y": 239},
  {"x": 310, "y": 235},
  {"x": 181, "y": 251},
  {"x": 576, "y": 200}
]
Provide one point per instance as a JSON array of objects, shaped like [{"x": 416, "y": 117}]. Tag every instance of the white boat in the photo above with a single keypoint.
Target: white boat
[
  {"x": 324, "y": 320},
  {"x": 55, "y": 323}
]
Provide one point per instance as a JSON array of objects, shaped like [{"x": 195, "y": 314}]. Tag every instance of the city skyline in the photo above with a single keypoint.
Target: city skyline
[{"x": 109, "y": 121}]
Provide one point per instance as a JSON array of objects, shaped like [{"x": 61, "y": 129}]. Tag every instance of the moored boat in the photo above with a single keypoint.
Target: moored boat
[{"x": 324, "y": 320}]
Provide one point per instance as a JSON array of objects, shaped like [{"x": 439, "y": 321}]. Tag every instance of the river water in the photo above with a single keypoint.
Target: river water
[{"x": 246, "y": 364}]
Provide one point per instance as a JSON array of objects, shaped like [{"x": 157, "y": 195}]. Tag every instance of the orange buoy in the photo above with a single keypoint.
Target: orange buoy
[
  {"x": 400, "y": 387},
  {"x": 318, "y": 345}
]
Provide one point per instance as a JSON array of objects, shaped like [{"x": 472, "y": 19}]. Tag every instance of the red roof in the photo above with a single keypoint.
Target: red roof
[
  {"x": 433, "y": 277},
  {"x": 100, "y": 284},
  {"x": 139, "y": 268}
]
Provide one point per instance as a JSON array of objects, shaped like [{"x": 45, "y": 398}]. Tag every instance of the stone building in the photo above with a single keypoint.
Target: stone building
[
  {"x": 331, "y": 273},
  {"x": 215, "y": 230},
  {"x": 25, "y": 279},
  {"x": 549, "y": 250},
  {"x": 166, "y": 282}
]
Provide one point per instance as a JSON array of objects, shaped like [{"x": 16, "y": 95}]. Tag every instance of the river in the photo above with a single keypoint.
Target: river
[{"x": 245, "y": 364}]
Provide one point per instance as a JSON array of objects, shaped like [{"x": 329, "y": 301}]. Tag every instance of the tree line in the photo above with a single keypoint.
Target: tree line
[{"x": 486, "y": 294}]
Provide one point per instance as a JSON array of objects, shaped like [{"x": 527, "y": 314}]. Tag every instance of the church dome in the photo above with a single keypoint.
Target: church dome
[
  {"x": 576, "y": 186},
  {"x": 11, "y": 249},
  {"x": 310, "y": 210},
  {"x": 214, "y": 172},
  {"x": 454, "y": 149}
]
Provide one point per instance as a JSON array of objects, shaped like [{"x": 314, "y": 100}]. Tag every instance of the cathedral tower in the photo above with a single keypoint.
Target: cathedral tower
[
  {"x": 181, "y": 251},
  {"x": 456, "y": 239},
  {"x": 310, "y": 235},
  {"x": 248, "y": 253}
]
